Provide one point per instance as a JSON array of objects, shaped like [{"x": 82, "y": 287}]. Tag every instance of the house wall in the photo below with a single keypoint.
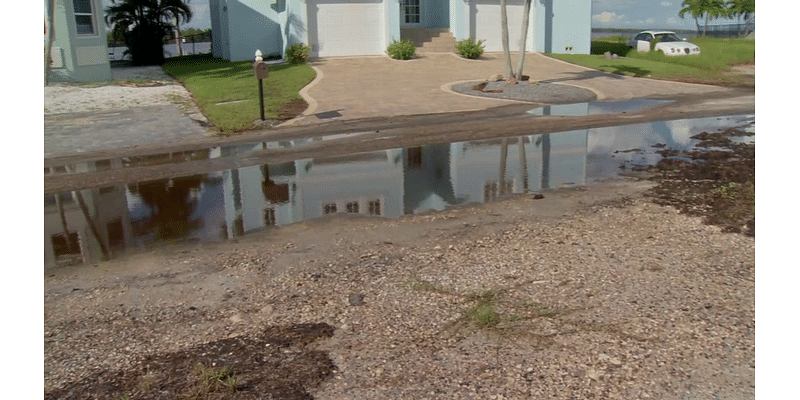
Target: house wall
[
  {"x": 563, "y": 27},
  {"x": 78, "y": 58},
  {"x": 254, "y": 25}
]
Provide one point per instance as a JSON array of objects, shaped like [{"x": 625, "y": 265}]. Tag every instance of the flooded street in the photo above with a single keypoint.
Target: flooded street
[{"x": 84, "y": 226}]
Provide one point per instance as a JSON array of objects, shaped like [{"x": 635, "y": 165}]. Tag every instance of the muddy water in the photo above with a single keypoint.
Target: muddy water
[{"x": 88, "y": 225}]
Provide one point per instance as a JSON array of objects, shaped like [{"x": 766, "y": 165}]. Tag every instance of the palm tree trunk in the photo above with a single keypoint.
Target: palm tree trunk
[
  {"x": 526, "y": 13},
  {"x": 504, "y": 38},
  {"x": 178, "y": 36}
]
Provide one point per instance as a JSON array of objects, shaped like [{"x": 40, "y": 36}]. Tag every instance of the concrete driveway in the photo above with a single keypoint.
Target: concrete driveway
[{"x": 352, "y": 88}]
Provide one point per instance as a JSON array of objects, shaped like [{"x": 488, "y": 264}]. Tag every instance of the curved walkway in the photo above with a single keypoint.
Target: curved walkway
[{"x": 352, "y": 88}]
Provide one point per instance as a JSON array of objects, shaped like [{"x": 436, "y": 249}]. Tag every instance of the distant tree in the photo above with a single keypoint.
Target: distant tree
[
  {"x": 708, "y": 9},
  {"x": 743, "y": 9},
  {"x": 144, "y": 23}
]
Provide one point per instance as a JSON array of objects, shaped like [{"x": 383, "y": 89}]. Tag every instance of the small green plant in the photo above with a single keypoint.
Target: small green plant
[
  {"x": 297, "y": 53},
  {"x": 402, "y": 50},
  {"x": 469, "y": 48},
  {"x": 483, "y": 313},
  {"x": 214, "y": 380},
  {"x": 727, "y": 191}
]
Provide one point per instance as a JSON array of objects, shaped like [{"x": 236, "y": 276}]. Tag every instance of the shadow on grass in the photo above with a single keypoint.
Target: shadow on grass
[
  {"x": 583, "y": 75},
  {"x": 627, "y": 70}
]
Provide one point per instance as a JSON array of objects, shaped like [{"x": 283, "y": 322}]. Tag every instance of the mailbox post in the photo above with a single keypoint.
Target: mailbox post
[{"x": 261, "y": 72}]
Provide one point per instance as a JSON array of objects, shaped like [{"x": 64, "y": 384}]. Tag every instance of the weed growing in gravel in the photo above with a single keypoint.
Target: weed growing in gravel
[
  {"x": 213, "y": 380},
  {"x": 483, "y": 313},
  {"x": 425, "y": 286}
]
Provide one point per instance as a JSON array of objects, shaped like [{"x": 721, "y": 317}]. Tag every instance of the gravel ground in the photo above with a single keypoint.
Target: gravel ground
[
  {"x": 583, "y": 294},
  {"x": 551, "y": 93},
  {"x": 130, "y": 87}
]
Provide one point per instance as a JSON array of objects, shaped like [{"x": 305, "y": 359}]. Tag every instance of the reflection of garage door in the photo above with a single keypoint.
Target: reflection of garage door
[
  {"x": 352, "y": 28},
  {"x": 487, "y": 23}
]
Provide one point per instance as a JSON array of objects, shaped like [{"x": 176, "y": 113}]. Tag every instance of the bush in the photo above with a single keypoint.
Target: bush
[
  {"x": 297, "y": 53},
  {"x": 469, "y": 48},
  {"x": 402, "y": 50}
]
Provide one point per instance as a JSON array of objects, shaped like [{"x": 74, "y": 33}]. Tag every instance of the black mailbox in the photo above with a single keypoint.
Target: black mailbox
[{"x": 260, "y": 69}]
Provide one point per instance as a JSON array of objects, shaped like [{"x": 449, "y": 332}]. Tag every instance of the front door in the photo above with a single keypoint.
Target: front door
[{"x": 410, "y": 12}]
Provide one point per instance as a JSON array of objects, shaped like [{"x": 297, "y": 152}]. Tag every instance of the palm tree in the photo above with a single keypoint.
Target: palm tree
[
  {"x": 694, "y": 8},
  {"x": 144, "y": 23},
  {"x": 743, "y": 9},
  {"x": 504, "y": 39},
  {"x": 709, "y": 9},
  {"x": 526, "y": 14}
]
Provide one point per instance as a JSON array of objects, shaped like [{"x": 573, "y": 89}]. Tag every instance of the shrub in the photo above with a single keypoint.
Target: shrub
[
  {"x": 297, "y": 53},
  {"x": 402, "y": 50},
  {"x": 468, "y": 48}
]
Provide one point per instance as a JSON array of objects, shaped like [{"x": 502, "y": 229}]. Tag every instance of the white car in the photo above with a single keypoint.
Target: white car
[{"x": 669, "y": 43}]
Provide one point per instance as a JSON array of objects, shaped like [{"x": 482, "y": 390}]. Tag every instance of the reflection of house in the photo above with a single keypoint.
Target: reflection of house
[
  {"x": 427, "y": 180},
  {"x": 79, "y": 51},
  {"x": 364, "y": 183},
  {"x": 107, "y": 209},
  {"x": 259, "y": 196},
  {"x": 367, "y": 27}
]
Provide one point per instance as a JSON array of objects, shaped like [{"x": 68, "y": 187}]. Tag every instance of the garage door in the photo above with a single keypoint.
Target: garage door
[
  {"x": 350, "y": 28},
  {"x": 487, "y": 21}
]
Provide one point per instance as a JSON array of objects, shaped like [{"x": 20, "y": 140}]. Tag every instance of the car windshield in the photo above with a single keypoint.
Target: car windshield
[{"x": 668, "y": 37}]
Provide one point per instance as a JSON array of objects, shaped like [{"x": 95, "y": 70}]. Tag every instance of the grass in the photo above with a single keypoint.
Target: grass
[
  {"x": 213, "y": 380},
  {"x": 483, "y": 313},
  {"x": 711, "y": 66},
  {"x": 213, "y": 81}
]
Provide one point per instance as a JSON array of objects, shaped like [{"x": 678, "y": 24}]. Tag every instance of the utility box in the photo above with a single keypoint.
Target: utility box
[{"x": 260, "y": 70}]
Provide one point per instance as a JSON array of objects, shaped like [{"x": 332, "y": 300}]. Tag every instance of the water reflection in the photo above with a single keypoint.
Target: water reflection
[{"x": 387, "y": 183}]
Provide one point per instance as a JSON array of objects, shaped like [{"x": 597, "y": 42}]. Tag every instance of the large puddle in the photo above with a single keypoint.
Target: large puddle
[{"x": 86, "y": 225}]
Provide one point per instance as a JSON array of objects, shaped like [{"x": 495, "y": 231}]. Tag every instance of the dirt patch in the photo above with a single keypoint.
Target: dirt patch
[
  {"x": 291, "y": 109},
  {"x": 717, "y": 184},
  {"x": 277, "y": 363}
]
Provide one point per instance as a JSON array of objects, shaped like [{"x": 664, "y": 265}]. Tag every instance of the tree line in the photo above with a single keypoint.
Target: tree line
[{"x": 739, "y": 10}]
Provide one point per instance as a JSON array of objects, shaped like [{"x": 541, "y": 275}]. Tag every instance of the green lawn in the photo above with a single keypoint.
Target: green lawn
[
  {"x": 711, "y": 66},
  {"x": 213, "y": 81}
]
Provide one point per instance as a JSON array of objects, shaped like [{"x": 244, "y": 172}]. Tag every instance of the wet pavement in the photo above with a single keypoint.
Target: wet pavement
[{"x": 228, "y": 203}]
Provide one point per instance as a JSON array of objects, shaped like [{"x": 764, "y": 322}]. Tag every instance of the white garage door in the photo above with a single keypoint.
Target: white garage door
[
  {"x": 351, "y": 28},
  {"x": 487, "y": 21}
]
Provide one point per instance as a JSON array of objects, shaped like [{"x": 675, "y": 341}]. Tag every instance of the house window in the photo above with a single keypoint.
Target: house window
[
  {"x": 84, "y": 19},
  {"x": 375, "y": 207},
  {"x": 352, "y": 207},
  {"x": 329, "y": 208}
]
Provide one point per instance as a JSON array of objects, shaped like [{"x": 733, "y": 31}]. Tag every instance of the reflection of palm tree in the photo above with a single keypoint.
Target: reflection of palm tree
[
  {"x": 523, "y": 162},
  {"x": 171, "y": 207},
  {"x": 70, "y": 246},
  {"x": 89, "y": 220},
  {"x": 546, "y": 161},
  {"x": 503, "y": 159}
]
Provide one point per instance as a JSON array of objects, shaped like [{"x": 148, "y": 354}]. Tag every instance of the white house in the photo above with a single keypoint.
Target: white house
[
  {"x": 79, "y": 51},
  {"x": 367, "y": 27}
]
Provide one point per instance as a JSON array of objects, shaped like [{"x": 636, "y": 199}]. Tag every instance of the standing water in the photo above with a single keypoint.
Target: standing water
[{"x": 86, "y": 225}]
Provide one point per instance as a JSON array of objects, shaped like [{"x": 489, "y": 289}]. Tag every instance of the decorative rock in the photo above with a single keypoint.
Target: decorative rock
[
  {"x": 479, "y": 87},
  {"x": 356, "y": 299},
  {"x": 496, "y": 78}
]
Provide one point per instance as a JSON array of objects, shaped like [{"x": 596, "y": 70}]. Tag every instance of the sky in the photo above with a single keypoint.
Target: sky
[{"x": 644, "y": 14}]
